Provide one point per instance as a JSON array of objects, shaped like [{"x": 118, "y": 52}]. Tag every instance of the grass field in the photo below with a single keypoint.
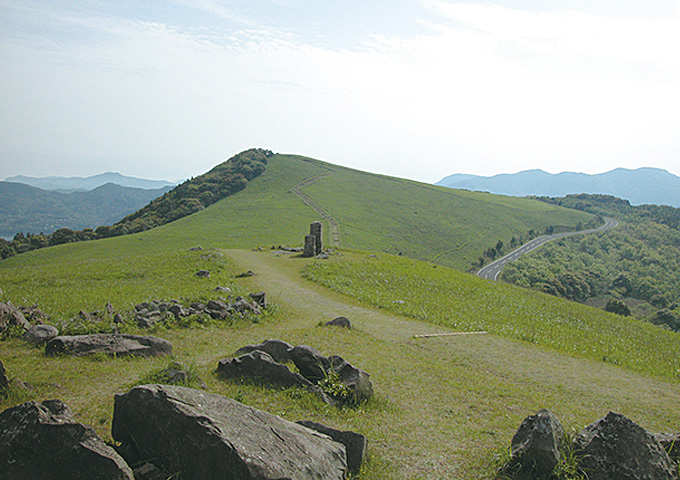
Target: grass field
[{"x": 445, "y": 407}]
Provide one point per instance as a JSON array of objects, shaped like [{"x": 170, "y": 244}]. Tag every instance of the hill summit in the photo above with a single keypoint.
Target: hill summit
[{"x": 639, "y": 186}]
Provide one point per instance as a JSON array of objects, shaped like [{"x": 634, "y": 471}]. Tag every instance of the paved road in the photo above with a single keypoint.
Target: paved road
[{"x": 492, "y": 270}]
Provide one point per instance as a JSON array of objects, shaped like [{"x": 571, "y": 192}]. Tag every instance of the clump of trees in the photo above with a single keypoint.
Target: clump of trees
[{"x": 189, "y": 197}]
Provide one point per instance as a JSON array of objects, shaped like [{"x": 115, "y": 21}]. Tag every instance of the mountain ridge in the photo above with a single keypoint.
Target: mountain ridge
[
  {"x": 645, "y": 185},
  {"x": 73, "y": 184}
]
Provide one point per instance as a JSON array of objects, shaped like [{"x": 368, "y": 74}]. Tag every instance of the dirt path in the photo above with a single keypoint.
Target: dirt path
[{"x": 450, "y": 400}]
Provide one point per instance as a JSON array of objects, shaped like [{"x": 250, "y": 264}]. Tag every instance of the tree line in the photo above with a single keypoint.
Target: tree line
[{"x": 189, "y": 197}]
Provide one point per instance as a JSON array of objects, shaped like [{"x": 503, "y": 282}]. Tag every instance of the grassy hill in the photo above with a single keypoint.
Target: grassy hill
[{"x": 444, "y": 407}]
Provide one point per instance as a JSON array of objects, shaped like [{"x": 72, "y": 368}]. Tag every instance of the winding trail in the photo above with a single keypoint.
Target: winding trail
[
  {"x": 444, "y": 400},
  {"x": 492, "y": 270},
  {"x": 307, "y": 200}
]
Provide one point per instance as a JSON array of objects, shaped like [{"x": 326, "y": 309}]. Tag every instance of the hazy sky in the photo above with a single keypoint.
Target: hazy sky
[{"x": 412, "y": 88}]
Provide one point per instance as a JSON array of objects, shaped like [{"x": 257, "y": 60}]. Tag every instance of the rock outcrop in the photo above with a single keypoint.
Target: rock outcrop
[
  {"x": 40, "y": 334},
  {"x": 277, "y": 349},
  {"x": 108, "y": 344},
  {"x": 342, "y": 322},
  {"x": 11, "y": 316},
  {"x": 616, "y": 448},
  {"x": 208, "y": 436},
  {"x": 43, "y": 441},
  {"x": 260, "y": 366},
  {"x": 537, "y": 446}
]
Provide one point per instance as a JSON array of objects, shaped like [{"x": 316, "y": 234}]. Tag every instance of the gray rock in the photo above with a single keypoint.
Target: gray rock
[
  {"x": 39, "y": 334},
  {"x": 217, "y": 305},
  {"x": 310, "y": 246},
  {"x": 208, "y": 436},
  {"x": 356, "y": 444},
  {"x": 342, "y": 322},
  {"x": 202, "y": 274},
  {"x": 43, "y": 441},
  {"x": 277, "y": 349},
  {"x": 357, "y": 381},
  {"x": 11, "y": 316},
  {"x": 670, "y": 442},
  {"x": 616, "y": 448},
  {"x": 309, "y": 361},
  {"x": 109, "y": 344},
  {"x": 4, "y": 380},
  {"x": 538, "y": 444},
  {"x": 260, "y": 298},
  {"x": 260, "y": 366}
]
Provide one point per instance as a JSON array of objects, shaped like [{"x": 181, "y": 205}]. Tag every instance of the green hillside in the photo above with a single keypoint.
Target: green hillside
[{"x": 445, "y": 407}]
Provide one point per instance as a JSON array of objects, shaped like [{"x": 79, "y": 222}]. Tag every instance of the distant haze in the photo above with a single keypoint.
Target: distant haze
[
  {"x": 74, "y": 184},
  {"x": 640, "y": 186}
]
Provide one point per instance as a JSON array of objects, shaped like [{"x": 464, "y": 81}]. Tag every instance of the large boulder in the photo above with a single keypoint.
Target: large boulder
[
  {"x": 39, "y": 334},
  {"x": 11, "y": 316},
  {"x": 109, "y": 344},
  {"x": 310, "y": 362},
  {"x": 260, "y": 366},
  {"x": 355, "y": 444},
  {"x": 537, "y": 446},
  {"x": 208, "y": 436},
  {"x": 43, "y": 441},
  {"x": 277, "y": 349},
  {"x": 616, "y": 448}
]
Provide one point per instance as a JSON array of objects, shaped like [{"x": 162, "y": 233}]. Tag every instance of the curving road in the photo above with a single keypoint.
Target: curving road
[{"x": 492, "y": 270}]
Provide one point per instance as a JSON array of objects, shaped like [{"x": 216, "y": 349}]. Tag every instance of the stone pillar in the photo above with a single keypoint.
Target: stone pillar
[
  {"x": 310, "y": 246},
  {"x": 316, "y": 229}
]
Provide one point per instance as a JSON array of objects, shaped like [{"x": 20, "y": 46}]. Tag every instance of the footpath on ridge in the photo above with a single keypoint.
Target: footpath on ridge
[{"x": 307, "y": 200}]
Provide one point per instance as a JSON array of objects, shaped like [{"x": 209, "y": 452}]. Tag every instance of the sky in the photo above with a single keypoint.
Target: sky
[{"x": 420, "y": 89}]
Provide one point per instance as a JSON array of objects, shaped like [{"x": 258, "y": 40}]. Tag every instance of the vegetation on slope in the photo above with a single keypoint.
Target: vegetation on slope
[
  {"x": 634, "y": 268},
  {"x": 191, "y": 196},
  {"x": 457, "y": 300},
  {"x": 28, "y": 209}
]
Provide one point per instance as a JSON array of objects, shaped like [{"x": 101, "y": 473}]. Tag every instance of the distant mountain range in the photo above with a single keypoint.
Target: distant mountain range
[
  {"x": 82, "y": 184},
  {"x": 24, "y": 208},
  {"x": 640, "y": 186}
]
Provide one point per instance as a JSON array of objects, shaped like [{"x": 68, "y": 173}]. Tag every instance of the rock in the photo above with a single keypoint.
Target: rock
[
  {"x": 11, "y": 316},
  {"x": 4, "y": 380},
  {"x": 316, "y": 229},
  {"x": 217, "y": 305},
  {"x": 357, "y": 381},
  {"x": 109, "y": 344},
  {"x": 277, "y": 349},
  {"x": 39, "y": 334},
  {"x": 670, "y": 442},
  {"x": 208, "y": 436},
  {"x": 43, "y": 441},
  {"x": 538, "y": 444},
  {"x": 247, "y": 274},
  {"x": 260, "y": 298},
  {"x": 202, "y": 274},
  {"x": 195, "y": 249},
  {"x": 310, "y": 246},
  {"x": 355, "y": 444},
  {"x": 322, "y": 256},
  {"x": 260, "y": 366},
  {"x": 309, "y": 361},
  {"x": 118, "y": 319},
  {"x": 342, "y": 322},
  {"x": 222, "y": 289},
  {"x": 616, "y": 448}
]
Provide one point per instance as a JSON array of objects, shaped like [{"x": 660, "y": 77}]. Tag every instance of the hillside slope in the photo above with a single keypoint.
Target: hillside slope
[
  {"x": 24, "y": 208},
  {"x": 374, "y": 212},
  {"x": 639, "y": 186}
]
